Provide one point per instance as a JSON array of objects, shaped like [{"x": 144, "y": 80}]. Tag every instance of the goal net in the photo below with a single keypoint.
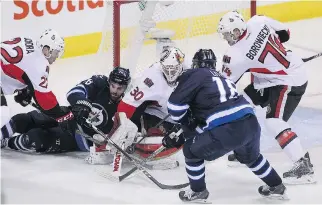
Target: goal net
[{"x": 194, "y": 24}]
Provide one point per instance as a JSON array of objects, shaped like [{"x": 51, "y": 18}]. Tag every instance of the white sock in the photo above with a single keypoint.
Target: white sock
[{"x": 294, "y": 150}]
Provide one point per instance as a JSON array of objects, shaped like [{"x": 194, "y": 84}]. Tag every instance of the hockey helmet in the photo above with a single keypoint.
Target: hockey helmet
[
  {"x": 204, "y": 58},
  {"x": 171, "y": 61},
  {"x": 151, "y": 143},
  {"x": 231, "y": 24},
  {"x": 53, "y": 40},
  {"x": 120, "y": 75}
]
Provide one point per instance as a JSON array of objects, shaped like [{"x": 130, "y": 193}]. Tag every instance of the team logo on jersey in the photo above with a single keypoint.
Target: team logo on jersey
[
  {"x": 98, "y": 116},
  {"x": 148, "y": 82}
]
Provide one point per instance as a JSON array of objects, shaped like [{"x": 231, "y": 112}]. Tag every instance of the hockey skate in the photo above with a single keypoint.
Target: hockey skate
[
  {"x": 194, "y": 197},
  {"x": 276, "y": 192},
  {"x": 301, "y": 173},
  {"x": 4, "y": 143},
  {"x": 232, "y": 161}
]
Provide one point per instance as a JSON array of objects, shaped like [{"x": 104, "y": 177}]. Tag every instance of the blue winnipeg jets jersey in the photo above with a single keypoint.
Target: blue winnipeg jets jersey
[
  {"x": 212, "y": 99},
  {"x": 96, "y": 90}
]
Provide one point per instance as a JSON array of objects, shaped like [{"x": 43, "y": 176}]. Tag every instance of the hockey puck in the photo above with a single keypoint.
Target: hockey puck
[
  {"x": 232, "y": 157},
  {"x": 177, "y": 162}
]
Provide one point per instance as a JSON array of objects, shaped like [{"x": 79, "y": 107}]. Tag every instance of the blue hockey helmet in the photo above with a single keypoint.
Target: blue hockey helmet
[
  {"x": 120, "y": 75},
  {"x": 204, "y": 58}
]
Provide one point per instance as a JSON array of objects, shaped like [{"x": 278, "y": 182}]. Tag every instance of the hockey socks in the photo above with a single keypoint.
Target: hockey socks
[
  {"x": 262, "y": 169},
  {"x": 195, "y": 169},
  {"x": 291, "y": 144},
  {"x": 7, "y": 130}
]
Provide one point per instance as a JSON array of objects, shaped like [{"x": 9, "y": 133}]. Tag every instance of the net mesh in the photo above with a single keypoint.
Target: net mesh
[{"x": 194, "y": 24}]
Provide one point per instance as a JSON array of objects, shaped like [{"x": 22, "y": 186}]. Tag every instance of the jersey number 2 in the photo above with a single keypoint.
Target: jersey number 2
[
  {"x": 12, "y": 59},
  {"x": 274, "y": 47}
]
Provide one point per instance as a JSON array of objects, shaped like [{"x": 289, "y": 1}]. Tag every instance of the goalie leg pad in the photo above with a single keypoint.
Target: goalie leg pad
[
  {"x": 124, "y": 131},
  {"x": 151, "y": 143},
  {"x": 98, "y": 156}
]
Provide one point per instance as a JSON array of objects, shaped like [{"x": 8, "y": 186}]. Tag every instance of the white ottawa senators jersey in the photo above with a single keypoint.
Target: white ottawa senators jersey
[
  {"x": 23, "y": 64},
  {"x": 150, "y": 87},
  {"x": 18, "y": 56},
  {"x": 259, "y": 51}
]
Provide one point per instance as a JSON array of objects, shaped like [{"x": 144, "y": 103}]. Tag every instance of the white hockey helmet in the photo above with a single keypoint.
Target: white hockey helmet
[
  {"x": 171, "y": 61},
  {"x": 53, "y": 40},
  {"x": 229, "y": 25}
]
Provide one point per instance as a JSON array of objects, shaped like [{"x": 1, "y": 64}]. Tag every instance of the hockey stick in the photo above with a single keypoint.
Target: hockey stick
[
  {"x": 155, "y": 153},
  {"x": 147, "y": 166},
  {"x": 312, "y": 57},
  {"x": 138, "y": 165},
  {"x": 130, "y": 149}
]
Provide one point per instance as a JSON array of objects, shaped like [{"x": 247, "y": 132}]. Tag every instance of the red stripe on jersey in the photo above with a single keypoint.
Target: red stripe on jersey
[
  {"x": 128, "y": 109},
  {"x": 243, "y": 35},
  {"x": 46, "y": 101},
  {"x": 279, "y": 102},
  {"x": 266, "y": 71},
  {"x": 13, "y": 71}
]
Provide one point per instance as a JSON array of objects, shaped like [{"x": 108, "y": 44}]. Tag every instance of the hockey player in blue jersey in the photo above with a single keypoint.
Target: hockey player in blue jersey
[
  {"x": 96, "y": 98},
  {"x": 218, "y": 121}
]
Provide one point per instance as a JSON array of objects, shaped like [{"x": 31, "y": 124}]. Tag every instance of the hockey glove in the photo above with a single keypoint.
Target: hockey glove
[
  {"x": 283, "y": 35},
  {"x": 81, "y": 111},
  {"x": 23, "y": 97},
  {"x": 67, "y": 123},
  {"x": 171, "y": 141}
]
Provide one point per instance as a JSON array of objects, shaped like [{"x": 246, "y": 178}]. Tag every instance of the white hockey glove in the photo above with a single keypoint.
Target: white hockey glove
[{"x": 124, "y": 131}]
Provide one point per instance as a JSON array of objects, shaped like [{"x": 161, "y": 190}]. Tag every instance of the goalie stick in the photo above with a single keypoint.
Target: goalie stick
[
  {"x": 136, "y": 164},
  {"x": 155, "y": 153}
]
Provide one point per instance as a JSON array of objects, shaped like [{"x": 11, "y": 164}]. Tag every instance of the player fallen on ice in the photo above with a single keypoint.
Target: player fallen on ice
[
  {"x": 95, "y": 98},
  {"x": 218, "y": 120},
  {"x": 279, "y": 83},
  {"x": 25, "y": 69}
]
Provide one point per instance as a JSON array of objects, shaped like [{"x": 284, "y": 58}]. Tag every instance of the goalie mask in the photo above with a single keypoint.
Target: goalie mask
[
  {"x": 231, "y": 26},
  {"x": 204, "y": 58},
  {"x": 171, "y": 61}
]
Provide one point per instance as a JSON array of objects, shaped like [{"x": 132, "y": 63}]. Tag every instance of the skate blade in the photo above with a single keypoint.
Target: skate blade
[
  {"x": 198, "y": 201},
  {"x": 234, "y": 164},
  {"x": 283, "y": 197},
  {"x": 307, "y": 179}
]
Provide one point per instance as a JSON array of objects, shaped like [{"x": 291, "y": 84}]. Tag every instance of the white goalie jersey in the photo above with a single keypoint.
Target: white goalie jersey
[
  {"x": 260, "y": 51},
  {"x": 150, "y": 87}
]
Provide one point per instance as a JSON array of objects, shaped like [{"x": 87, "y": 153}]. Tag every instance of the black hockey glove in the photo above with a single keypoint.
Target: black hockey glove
[
  {"x": 23, "y": 97},
  {"x": 283, "y": 35},
  {"x": 67, "y": 123},
  {"x": 173, "y": 142},
  {"x": 81, "y": 111}
]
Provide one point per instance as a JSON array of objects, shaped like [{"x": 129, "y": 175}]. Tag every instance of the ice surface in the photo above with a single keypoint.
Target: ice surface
[{"x": 28, "y": 178}]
